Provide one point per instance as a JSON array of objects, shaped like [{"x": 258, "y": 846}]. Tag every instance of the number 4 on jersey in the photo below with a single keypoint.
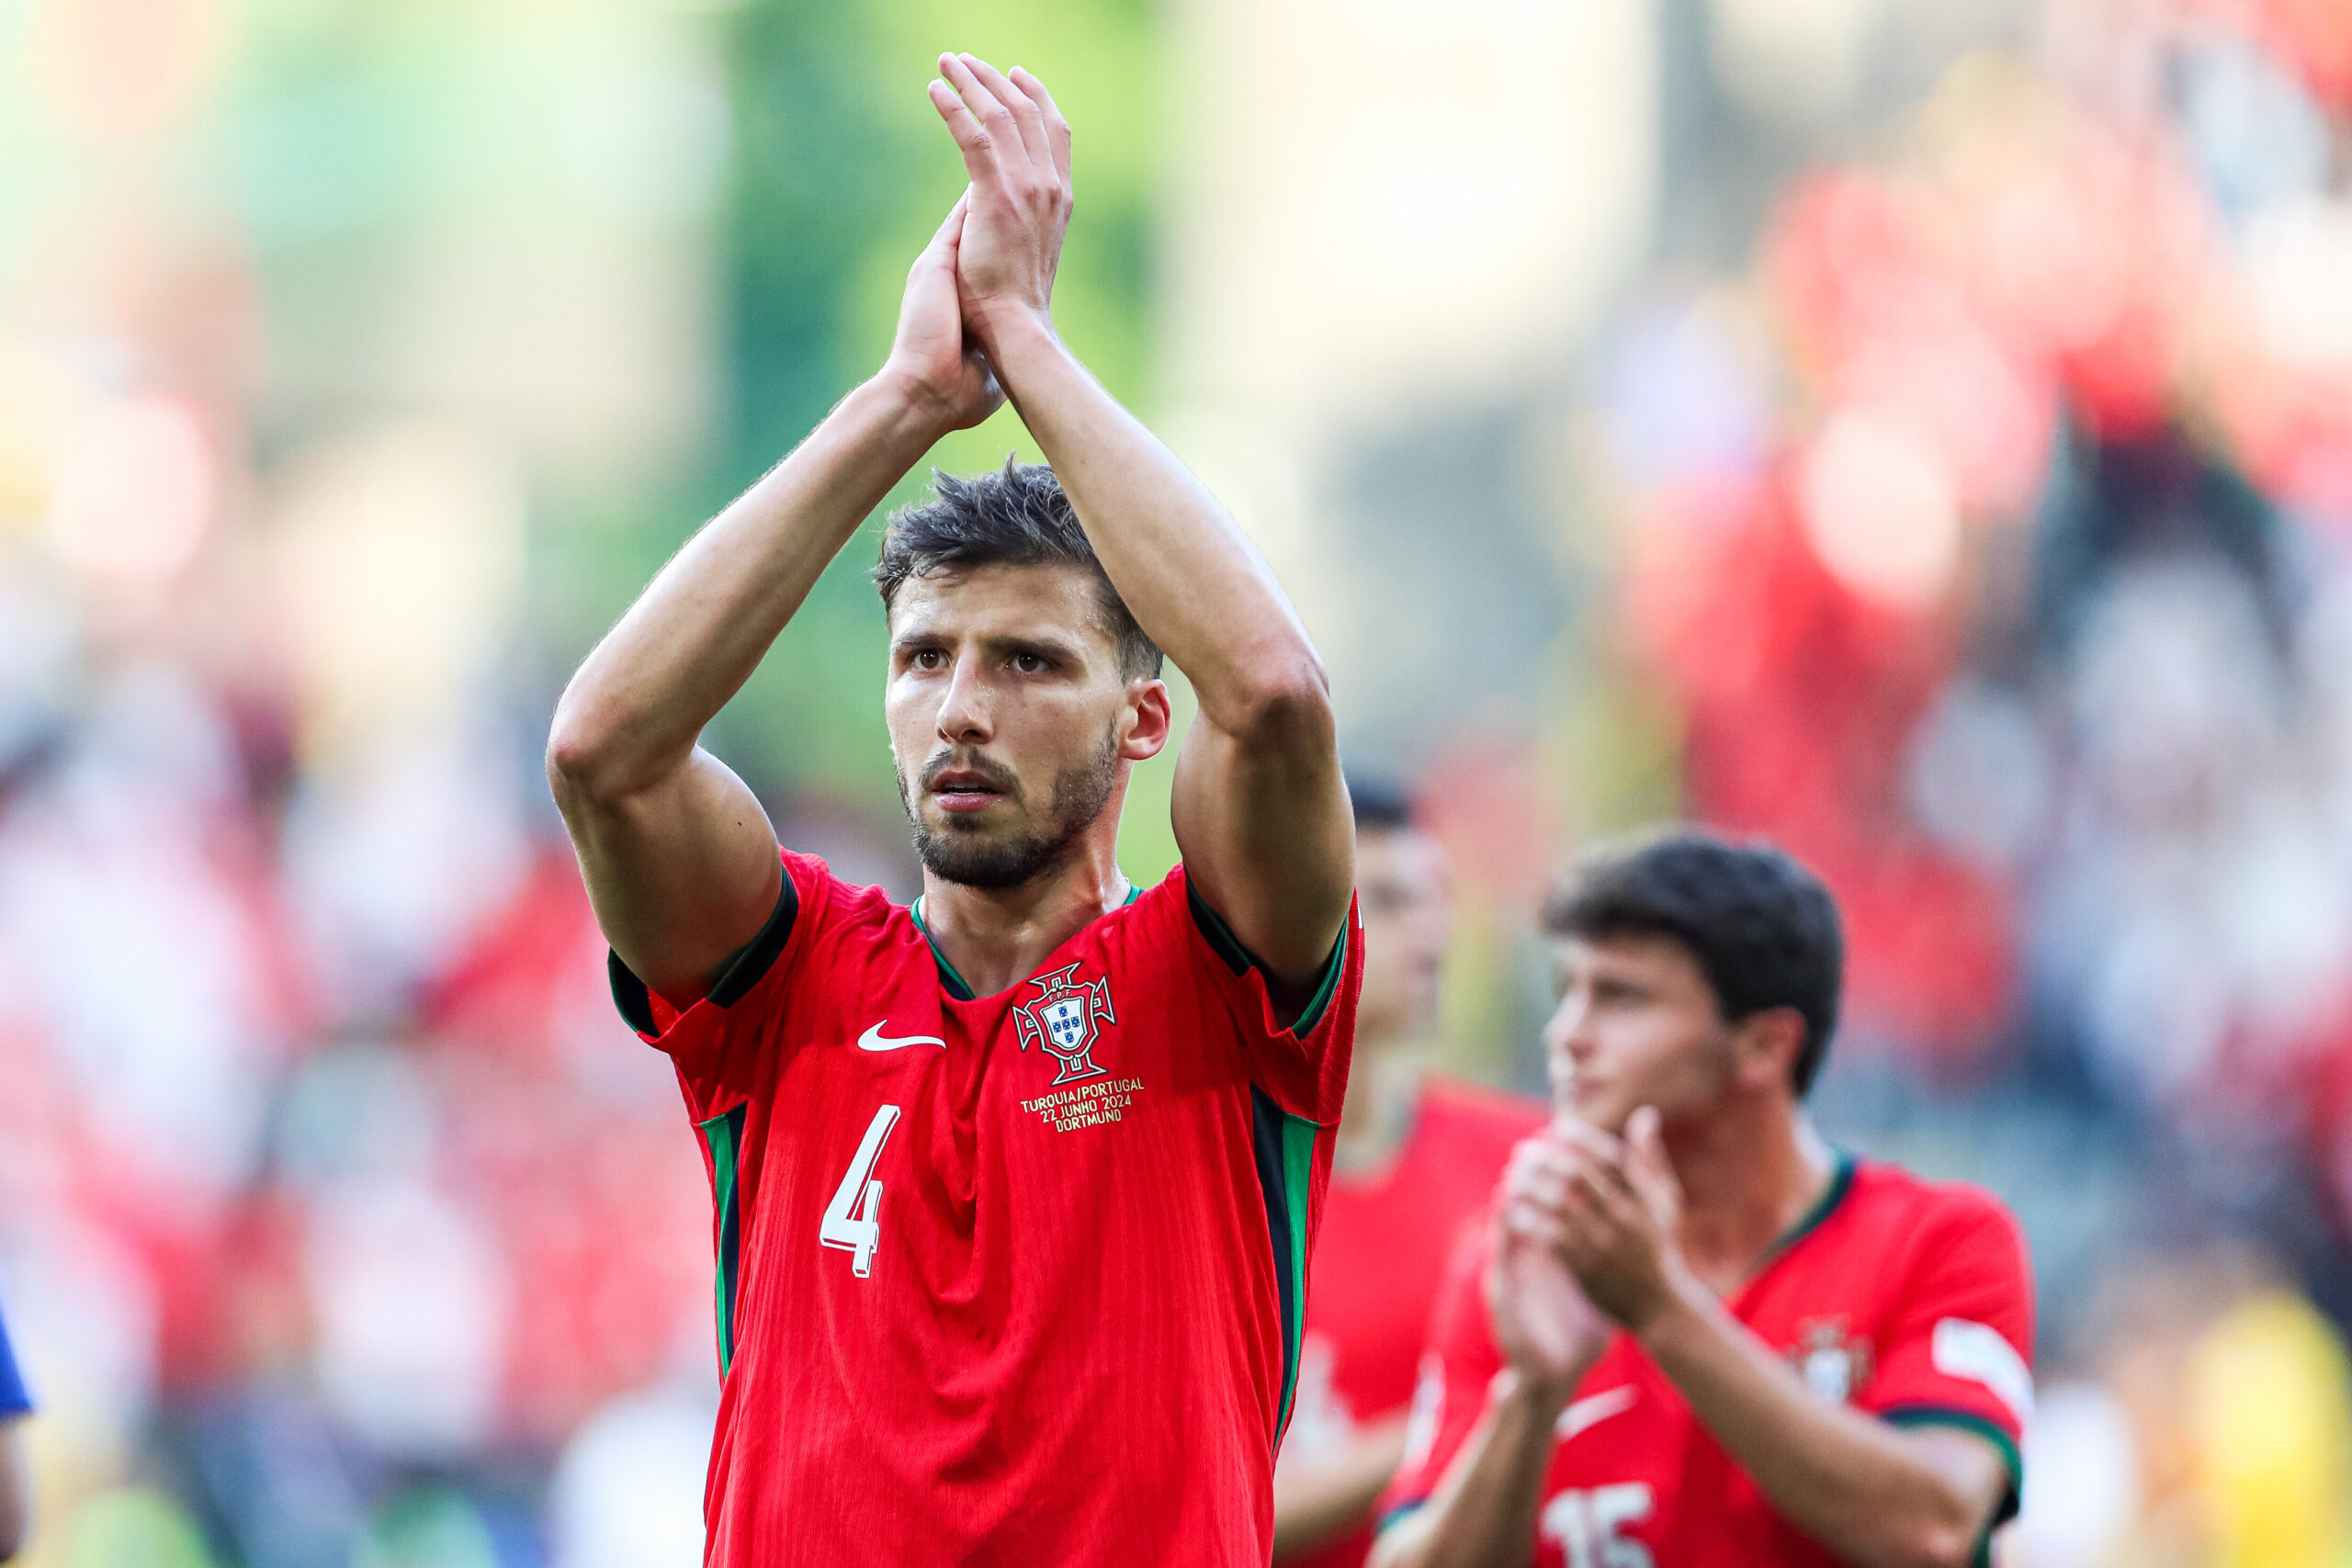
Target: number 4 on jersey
[{"x": 853, "y": 1219}]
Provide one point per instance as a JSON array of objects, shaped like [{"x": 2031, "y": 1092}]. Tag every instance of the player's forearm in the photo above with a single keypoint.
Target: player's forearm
[
  {"x": 631, "y": 713},
  {"x": 1193, "y": 581},
  {"x": 1483, "y": 1515},
  {"x": 1848, "y": 1479}
]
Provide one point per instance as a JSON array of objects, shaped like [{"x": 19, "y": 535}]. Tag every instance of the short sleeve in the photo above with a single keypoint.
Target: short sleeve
[
  {"x": 714, "y": 1041},
  {"x": 1957, "y": 1346},
  {"x": 14, "y": 1400},
  {"x": 1459, "y": 1362},
  {"x": 1300, "y": 1065}
]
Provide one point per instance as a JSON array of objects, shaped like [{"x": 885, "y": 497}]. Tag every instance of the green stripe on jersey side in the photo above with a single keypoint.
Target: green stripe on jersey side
[
  {"x": 724, "y": 1134},
  {"x": 1298, "y": 1164},
  {"x": 1283, "y": 1150}
]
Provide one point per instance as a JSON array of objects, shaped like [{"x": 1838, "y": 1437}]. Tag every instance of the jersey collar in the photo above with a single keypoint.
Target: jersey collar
[
  {"x": 958, "y": 986},
  {"x": 1841, "y": 1181}
]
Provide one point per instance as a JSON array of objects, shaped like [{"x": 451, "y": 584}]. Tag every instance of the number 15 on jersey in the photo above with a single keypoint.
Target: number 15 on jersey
[{"x": 853, "y": 1219}]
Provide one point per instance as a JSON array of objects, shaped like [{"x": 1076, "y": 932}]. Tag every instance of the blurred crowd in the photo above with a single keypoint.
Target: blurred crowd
[
  {"x": 1992, "y": 543},
  {"x": 345, "y": 1220},
  {"x": 1987, "y": 542}
]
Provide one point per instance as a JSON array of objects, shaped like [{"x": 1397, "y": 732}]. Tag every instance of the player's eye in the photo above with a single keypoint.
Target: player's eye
[
  {"x": 927, "y": 658},
  {"x": 1031, "y": 663}
]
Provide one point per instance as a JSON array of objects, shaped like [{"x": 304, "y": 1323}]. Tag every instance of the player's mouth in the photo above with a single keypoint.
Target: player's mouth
[{"x": 962, "y": 791}]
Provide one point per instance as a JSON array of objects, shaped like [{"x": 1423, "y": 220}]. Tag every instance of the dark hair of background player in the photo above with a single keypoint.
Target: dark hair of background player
[
  {"x": 1763, "y": 929},
  {"x": 1380, "y": 807},
  {"x": 1016, "y": 516}
]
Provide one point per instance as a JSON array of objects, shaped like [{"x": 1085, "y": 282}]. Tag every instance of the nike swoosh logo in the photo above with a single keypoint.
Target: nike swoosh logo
[
  {"x": 875, "y": 1040},
  {"x": 1591, "y": 1412}
]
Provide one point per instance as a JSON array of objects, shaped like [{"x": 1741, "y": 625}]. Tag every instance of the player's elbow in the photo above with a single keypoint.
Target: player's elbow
[
  {"x": 587, "y": 761},
  {"x": 1942, "y": 1537},
  {"x": 1283, "y": 703}
]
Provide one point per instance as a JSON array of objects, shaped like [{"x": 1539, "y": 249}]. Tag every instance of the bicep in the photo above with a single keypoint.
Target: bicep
[
  {"x": 682, "y": 873},
  {"x": 1267, "y": 840}
]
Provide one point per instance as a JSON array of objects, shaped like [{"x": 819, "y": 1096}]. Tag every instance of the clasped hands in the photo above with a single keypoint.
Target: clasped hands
[
  {"x": 988, "y": 272},
  {"x": 1584, "y": 1242}
]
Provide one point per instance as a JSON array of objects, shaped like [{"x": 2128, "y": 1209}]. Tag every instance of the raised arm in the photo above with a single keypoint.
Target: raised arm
[
  {"x": 1261, "y": 814},
  {"x": 680, "y": 860}
]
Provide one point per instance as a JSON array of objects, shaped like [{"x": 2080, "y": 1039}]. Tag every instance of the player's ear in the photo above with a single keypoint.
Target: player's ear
[
  {"x": 1768, "y": 1043},
  {"x": 1147, "y": 721}
]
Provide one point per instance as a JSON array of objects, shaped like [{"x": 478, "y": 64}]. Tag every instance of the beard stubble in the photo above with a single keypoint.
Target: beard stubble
[{"x": 960, "y": 855}]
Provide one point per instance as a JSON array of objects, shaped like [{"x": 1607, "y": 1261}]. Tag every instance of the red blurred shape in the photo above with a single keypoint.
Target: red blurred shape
[{"x": 1800, "y": 698}]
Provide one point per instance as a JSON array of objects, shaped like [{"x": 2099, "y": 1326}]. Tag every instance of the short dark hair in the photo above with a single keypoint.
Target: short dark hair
[
  {"x": 1763, "y": 929},
  {"x": 1379, "y": 803},
  {"x": 1016, "y": 516}
]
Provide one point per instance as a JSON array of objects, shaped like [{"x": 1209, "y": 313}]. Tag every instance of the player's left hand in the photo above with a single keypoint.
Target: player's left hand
[
  {"x": 1016, "y": 150},
  {"x": 1619, "y": 1206},
  {"x": 932, "y": 358}
]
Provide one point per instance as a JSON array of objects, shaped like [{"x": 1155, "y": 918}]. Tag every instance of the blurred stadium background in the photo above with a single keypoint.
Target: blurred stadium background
[{"x": 1919, "y": 430}]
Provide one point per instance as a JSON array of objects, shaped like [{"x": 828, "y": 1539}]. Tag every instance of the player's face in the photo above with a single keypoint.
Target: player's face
[
  {"x": 1637, "y": 1025},
  {"x": 1404, "y": 892},
  {"x": 1010, "y": 722}
]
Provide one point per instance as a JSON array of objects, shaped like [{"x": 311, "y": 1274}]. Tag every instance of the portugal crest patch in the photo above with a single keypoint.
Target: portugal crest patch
[
  {"x": 1066, "y": 1018},
  {"x": 1834, "y": 1364}
]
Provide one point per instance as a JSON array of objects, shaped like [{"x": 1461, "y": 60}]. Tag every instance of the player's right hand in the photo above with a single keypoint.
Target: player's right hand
[
  {"x": 1016, "y": 150},
  {"x": 932, "y": 360},
  {"x": 1546, "y": 1328}
]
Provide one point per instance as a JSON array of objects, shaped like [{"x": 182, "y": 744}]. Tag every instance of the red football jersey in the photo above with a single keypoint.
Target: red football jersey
[
  {"x": 1015, "y": 1279},
  {"x": 1381, "y": 1255},
  {"x": 1906, "y": 1299}
]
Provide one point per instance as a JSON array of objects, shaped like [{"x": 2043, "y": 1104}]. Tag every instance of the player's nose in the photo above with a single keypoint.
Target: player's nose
[
  {"x": 1567, "y": 1033},
  {"x": 964, "y": 707}
]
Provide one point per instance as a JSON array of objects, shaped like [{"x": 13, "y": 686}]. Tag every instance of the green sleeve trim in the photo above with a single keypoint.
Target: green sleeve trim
[
  {"x": 1220, "y": 936},
  {"x": 736, "y": 977},
  {"x": 1241, "y": 960},
  {"x": 759, "y": 955},
  {"x": 1916, "y": 1416},
  {"x": 630, "y": 995}
]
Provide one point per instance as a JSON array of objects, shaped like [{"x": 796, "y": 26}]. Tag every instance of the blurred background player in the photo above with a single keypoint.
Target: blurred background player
[
  {"x": 1695, "y": 1333},
  {"x": 1417, "y": 1155}
]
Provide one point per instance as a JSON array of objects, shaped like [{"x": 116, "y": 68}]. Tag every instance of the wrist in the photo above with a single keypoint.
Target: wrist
[
  {"x": 905, "y": 403},
  {"x": 1542, "y": 1396},
  {"x": 1682, "y": 1302},
  {"x": 1011, "y": 329}
]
